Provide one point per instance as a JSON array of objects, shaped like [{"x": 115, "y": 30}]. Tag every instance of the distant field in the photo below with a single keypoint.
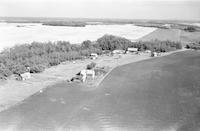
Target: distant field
[
  {"x": 159, "y": 94},
  {"x": 190, "y": 37},
  {"x": 163, "y": 34},
  {"x": 172, "y": 35}
]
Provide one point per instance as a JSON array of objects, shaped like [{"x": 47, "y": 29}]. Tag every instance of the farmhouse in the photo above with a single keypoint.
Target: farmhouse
[{"x": 86, "y": 73}]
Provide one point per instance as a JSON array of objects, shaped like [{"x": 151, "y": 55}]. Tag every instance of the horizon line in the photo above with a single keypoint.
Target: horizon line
[{"x": 189, "y": 20}]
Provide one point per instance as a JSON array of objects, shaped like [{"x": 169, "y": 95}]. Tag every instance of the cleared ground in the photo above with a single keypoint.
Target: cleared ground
[{"x": 160, "y": 94}]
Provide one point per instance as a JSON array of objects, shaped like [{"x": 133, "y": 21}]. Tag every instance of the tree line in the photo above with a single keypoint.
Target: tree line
[
  {"x": 195, "y": 46},
  {"x": 41, "y": 55}
]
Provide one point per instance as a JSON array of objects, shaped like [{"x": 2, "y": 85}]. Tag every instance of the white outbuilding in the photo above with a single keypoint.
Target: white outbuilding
[
  {"x": 118, "y": 51},
  {"x": 93, "y": 56},
  {"x": 132, "y": 50},
  {"x": 25, "y": 76},
  {"x": 154, "y": 54},
  {"x": 147, "y": 51},
  {"x": 86, "y": 73}
]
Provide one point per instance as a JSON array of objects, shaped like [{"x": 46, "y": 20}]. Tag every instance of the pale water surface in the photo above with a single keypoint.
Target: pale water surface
[{"x": 19, "y": 33}]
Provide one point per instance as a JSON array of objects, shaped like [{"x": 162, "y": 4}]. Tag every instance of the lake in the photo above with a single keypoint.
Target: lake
[{"x": 20, "y": 33}]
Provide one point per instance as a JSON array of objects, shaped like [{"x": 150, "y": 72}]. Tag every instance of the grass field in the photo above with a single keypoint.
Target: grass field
[
  {"x": 172, "y": 35},
  {"x": 190, "y": 36},
  {"x": 163, "y": 34},
  {"x": 159, "y": 94}
]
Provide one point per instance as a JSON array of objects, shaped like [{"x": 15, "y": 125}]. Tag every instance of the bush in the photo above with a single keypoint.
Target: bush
[
  {"x": 178, "y": 45},
  {"x": 54, "y": 62},
  {"x": 4, "y": 71},
  {"x": 18, "y": 69},
  {"x": 37, "y": 68},
  {"x": 86, "y": 44},
  {"x": 101, "y": 70},
  {"x": 156, "y": 45},
  {"x": 91, "y": 66},
  {"x": 195, "y": 46},
  {"x": 2, "y": 77},
  {"x": 85, "y": 52},
  {"x": 190, "y": 29}
]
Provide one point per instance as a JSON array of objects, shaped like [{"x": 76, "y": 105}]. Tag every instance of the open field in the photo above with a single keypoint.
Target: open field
[
  {"x": 190, "y": 36},
  {"x": 156, "y": 94},
  {"x": 172, "y": 35},
  {"x": 163, "y": 34}
]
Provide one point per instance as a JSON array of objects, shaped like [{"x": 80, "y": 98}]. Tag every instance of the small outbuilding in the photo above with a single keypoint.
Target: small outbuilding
[
  {"x": 147, "y": 51},
  {"x": 154, "y": 54},
  {"x": 118, "y": 51},
  {"x": 85, "y": 73},
  {"x": 25, "y": 76},
  {"x": 132, "y": 50},
  {"x": 93, "y": 56}
]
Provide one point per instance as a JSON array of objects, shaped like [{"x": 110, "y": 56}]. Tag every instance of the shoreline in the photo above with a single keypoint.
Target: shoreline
[{"x": 12, "y": 92}]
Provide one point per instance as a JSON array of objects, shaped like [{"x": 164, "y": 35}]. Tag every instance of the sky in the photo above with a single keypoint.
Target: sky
[{"x": 123, "y": 9}]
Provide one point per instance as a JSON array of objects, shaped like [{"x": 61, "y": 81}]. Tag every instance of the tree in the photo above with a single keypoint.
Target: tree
[
  {"x": 190, "y": 29},
  {"x": 91, "y": 66},
  {"x": 4, "y": 71},
  {"x": 86, "y": 44},
  {"x": 110, "y": 42}
]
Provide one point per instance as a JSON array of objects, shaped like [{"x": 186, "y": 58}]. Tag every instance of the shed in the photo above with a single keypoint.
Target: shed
[
  {"x": 147, "y": 51},
  {"x": 93, "y": 56},
  {"x": 25, "y": 76},
  {"x": 132, "y": 50},
  {"x": 118, "y": 51},
  {"x": 154, "y": 54}
]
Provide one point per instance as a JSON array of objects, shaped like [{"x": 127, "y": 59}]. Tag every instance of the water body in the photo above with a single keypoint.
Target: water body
[{"x": 20, "y": 33}]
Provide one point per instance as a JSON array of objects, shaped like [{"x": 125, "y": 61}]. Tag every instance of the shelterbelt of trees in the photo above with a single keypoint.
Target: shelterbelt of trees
[
  {"x": 41, "y": 55},
  {"x": 195, "y": 46}
]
